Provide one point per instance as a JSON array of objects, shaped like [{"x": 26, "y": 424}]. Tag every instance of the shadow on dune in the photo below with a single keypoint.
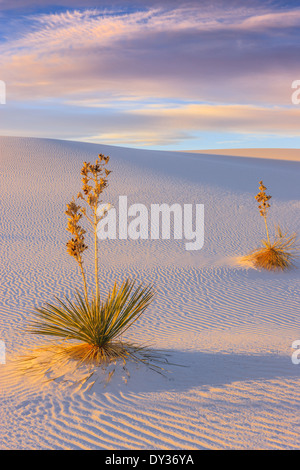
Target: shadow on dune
[
  {"x": 202, "y": 369},
  {"x": 184, "y": 371}
]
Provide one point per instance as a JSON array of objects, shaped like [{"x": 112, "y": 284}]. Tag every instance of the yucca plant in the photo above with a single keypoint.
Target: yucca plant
[
  {"x": 278, "y": 254},
  {"x": 96, "y": 324},
  {"x": 93, "y": 326}
]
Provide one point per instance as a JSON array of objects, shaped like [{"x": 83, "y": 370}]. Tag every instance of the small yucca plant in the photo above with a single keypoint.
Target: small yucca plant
[
  {"x": 276, "y": 255},
  {"x": 94, "y": 324}
]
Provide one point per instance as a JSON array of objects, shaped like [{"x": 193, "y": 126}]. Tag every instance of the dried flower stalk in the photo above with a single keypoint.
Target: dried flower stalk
[
  {"x": 94, "y": 181},
  {"x": 264, "y": 205},
  {"x": 76, "y": 246}
]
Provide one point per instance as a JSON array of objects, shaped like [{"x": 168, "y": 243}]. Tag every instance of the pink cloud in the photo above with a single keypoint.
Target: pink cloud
[{"x": 229, "y": 57}]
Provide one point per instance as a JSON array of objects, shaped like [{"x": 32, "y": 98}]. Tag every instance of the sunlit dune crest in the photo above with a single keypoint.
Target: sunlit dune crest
[{"x": 270, "y": 153}]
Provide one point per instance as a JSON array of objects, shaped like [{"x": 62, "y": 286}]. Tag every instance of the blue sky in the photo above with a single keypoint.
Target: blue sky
[{"x": 158, "y": 75}]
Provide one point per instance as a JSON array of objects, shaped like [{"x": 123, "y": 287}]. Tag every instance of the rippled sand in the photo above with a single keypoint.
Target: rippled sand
[{"x": 227, "y": 327}]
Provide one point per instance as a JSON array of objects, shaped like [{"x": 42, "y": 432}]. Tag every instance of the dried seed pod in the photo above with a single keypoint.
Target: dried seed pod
[{"x": 262, "y": 198}]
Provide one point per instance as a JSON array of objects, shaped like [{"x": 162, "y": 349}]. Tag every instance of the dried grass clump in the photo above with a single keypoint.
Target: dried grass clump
[{"x": 276, "y": 255}]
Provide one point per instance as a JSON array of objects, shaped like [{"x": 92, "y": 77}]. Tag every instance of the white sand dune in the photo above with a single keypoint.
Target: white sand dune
[
  {"x": 229, "y": 325},
  {"x": 270, "y": 153}
]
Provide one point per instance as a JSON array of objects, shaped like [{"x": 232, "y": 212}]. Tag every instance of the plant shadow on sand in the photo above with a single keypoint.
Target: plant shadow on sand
[
  {"x": 204, "y": 369},
  {"x": 181, "y": 371}
]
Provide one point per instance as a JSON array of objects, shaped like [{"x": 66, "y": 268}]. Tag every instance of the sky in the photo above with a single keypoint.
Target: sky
[{"x": 168, "y": 75}]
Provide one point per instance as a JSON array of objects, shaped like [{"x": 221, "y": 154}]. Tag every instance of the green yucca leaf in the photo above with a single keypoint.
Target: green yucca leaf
[{"x": 96, "y": 323}]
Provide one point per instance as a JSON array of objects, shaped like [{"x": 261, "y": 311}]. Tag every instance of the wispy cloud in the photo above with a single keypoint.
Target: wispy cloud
[
  {"x": 189, "y": 52},
  {"x": 230, "y": 64},
  {"x": 229, "y": 118},
  {"x": 153, "y": 127}
]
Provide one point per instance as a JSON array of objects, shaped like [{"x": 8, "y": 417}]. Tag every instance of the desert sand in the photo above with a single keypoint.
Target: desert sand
[
  {"x": 272, "y": 153},
  {"x": 227, "y": 328}
]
